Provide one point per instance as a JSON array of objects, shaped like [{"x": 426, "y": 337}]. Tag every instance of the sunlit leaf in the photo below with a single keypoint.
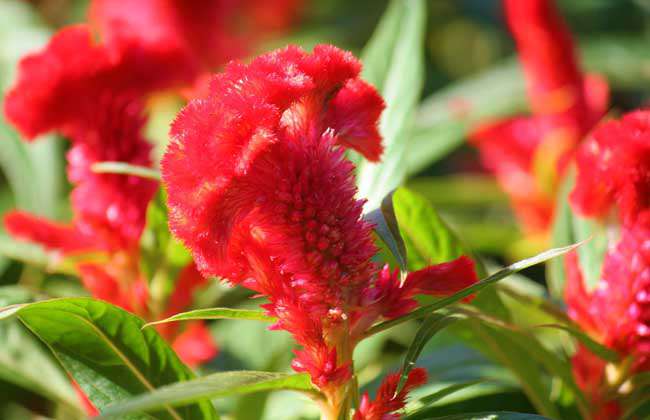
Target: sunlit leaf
[
  {"x": 395, "y": 64},
  {"x": 430, "y": 326},
  {"x": 104, "y": 349},
  {"x": 217, "y": 313},
  {"x": 212, "y": 386},
  {"x": 499, "y": 275}
]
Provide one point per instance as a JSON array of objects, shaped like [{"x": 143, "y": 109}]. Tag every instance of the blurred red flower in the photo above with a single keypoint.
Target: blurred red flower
[
  {"x": 202, "y": 35},
  {"x": 613, "y": 183},
  {"x": 527, "y": 153},
  {"x": 614, "y": 170},
  {"x": 94, "y": 97}
]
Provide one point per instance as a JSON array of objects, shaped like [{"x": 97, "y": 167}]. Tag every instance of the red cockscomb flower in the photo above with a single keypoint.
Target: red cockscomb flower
[
  {"x": 260, "y": 191},
  {"x": 93, "y": 95},
  {"x": 386, "y": 403},
  {"x": 202, "y": 35},
  {"x": 526, "y": 152},
  {"x": 614, "y": 169},
  {"x": 614, "y": 178}
]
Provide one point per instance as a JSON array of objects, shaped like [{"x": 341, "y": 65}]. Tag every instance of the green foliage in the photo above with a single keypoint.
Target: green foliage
[
  {"x": 430, "y": 326},
  {"x": 212, "y": 386},
  {"x": 399, "y": 79},
  {"x": 217, "y": 313},
  {"x": 572, "y": 227},
  {"x": 162, "y": 257},
  {"x": 24, "y": 361},
  {"x": 104, "y": 349}
]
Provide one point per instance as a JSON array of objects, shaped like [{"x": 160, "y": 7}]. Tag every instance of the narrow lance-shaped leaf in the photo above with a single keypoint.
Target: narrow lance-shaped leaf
[
  {"x": 217, "y": 313},
  {"x": 103, "y": 348},
  {"x": 212, "y": 386},
  {"x": 125, "y": 169},
  {"x": 388, "y": 230},
  {"x": 400, "y": 83},
  {"x": 430, "y": 326},
  {"x": 162, "y": 257},
  {"x": 499, "y": 275},
  {"x": 596, "y": 348}
]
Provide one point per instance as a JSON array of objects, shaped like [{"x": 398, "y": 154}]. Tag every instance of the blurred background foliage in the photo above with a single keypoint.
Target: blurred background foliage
[{"x": 470, "y": 74}]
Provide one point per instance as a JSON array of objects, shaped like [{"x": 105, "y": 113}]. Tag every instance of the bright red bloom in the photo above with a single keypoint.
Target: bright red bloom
[
  {"x": 93, "y": 95},
  {"x": 614, "y": 168},
  {"x": 386, "y": 403},
  {"x": 260, "y": 191},
  {"x": 525, "y": 153},
  {"x": 201, "y": 35},
  {"x": 53, "y": 87},
  {"x": 617, "y": 312},
  {"x": 614, "y": 174}
]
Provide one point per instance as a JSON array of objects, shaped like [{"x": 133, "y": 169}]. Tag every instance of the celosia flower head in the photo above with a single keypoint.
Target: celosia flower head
[
  {"x": 200, "y": 35},
  {"x": 260, "y": 191},
  {"x": 93, "y": 94},
  {"x": 526, "y": 153},
  {"x": 614, "y": 170},
  {"x": 613, "y": 181}
]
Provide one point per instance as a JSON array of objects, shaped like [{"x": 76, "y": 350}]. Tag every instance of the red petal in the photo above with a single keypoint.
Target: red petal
[
  {"x": 52, "y": 235},
  {"x": 354, "y": 114}
]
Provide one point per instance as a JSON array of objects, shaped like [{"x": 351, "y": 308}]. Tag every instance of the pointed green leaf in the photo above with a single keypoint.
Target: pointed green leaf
[
  {"x": 217, "y": 313},
  {"x": 104, "y": 349},
  {"x": 596, "y": 348},
  {"x": 212, "y": 386},
  {"x": 499, "y": 275},
  {"x": 125, "y": 169},
  {"x": 388, "y": 230},
  {"x": 162, "y": 257},
  {"x": 451, "y": 389},
  {"x": 395, "y": 65},
  {"x": 431, "y": 325}
]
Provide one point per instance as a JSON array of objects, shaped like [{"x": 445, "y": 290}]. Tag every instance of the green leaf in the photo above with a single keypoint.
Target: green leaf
[
  {"x": 23, "y": 359},
  {"x": 499, "y": 275},
  {"x": 387, "y": 229},
  {"x": 429, "y": 241},
  {"x": 561, "y": 235},
  {"x": 427, "y": 238},
  {"x": 217, "y": 313},
  {"x": 592, "y": 254},
  {"x": 500, "y": 346},
  {"x": 162, "y": 257},
  {"x": 395, "y": 65},
  {"x": 596, "y": 348},
  {"x": 125, "y": 169},
  {"x": 493, "y": 415},
  {"x": 430, "y": 326},
  {"x": 516, "y": 349},
  {"x": 106, "y": 352},
  {"x": 212, "y": 386},
  {"x": 446, "y": 391},
  {"x": 571, "y": 227}
]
